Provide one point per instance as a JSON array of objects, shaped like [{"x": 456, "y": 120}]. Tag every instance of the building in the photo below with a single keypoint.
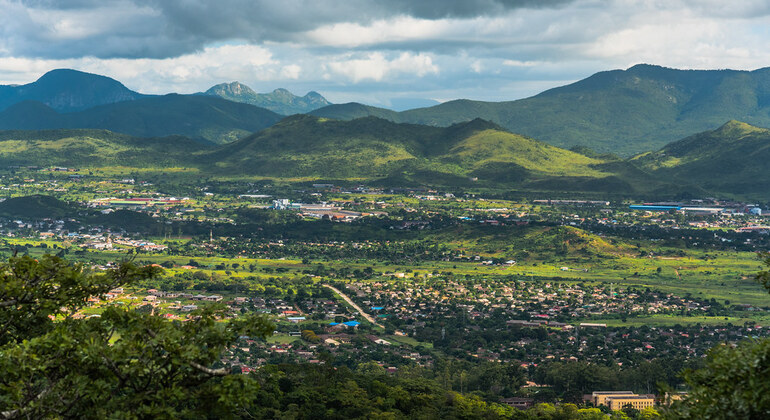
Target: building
[
  {"x": 281, "y": 204},
  {"x": 520, "y": 403},
  {"x": 600, "y": 397},
  {"x": 639, "y": 402},
  {"x": 617, "y": 400}
]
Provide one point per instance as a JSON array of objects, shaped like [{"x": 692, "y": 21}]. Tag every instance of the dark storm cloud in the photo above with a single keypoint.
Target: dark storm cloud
[
  {"x": 437, "y": 9},
  {"x": 167, "y": 28}
]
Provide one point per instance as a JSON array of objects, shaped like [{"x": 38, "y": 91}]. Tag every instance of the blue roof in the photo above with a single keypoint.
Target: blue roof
[
  {"x": 655, "y": 208},
  {"x": 377, "y": 308},
  {"x": 348, "y": 323}
]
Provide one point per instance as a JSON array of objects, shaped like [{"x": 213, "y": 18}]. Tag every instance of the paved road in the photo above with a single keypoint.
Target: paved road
[{"x": 353, "y": 304}]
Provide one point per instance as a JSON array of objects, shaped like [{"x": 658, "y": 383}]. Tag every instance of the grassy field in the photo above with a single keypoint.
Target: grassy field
[
  {"x": 668, "y": 320},
  {"x": 723, "y": 276}
]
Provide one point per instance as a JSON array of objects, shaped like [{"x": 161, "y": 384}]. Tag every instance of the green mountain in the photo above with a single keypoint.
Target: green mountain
[
  {"x": 93, "y": 148},
  {"x": 280, "y": 101},
  {"x": 732, "y": 159},
  {"x": 204, "y": 118},
  {"x": 67, "y": 90},
  {"x": 353, "y": 110},
  {"x": 476, "y": 153},
  {"x": 625, "y": 112},
  {"x": 621, "y": 111}
]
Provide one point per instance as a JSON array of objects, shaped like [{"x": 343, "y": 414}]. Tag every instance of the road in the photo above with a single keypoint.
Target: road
[{"x": 353, "y": 304}]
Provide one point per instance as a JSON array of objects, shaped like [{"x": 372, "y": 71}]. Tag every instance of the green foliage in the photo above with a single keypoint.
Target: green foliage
[
  {"x": 734, "y": 383},
  {"x": 122, "y": 364},
  {"x": 33, "y": 292},
  {"x": 763, "y": 277},
  {"x": 313, "y": 391},
  {"x": 43, "y": 207},
  {"x": 310, "y": 336},
  {"x": 93, "y": 148},
  {"x": 36, "y": 207}
]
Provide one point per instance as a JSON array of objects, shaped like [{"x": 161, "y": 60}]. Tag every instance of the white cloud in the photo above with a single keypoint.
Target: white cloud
[
  {"x": 375, "y": 66},
  {"x": 519, "y": 63},
  {"x": 399, "y": 29},
  {"x": 185, "y": 74},
  {"x": 379, "y": 50},
  {"x": 291, "y": 71},
  {"x": 685, "y": 38}
]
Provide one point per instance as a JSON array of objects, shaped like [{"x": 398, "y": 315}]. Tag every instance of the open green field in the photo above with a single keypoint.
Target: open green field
[
  {"x": 669, "y": 320},
  {"x": 723, "y": 276},
  {"x": 281, "y": 338}
]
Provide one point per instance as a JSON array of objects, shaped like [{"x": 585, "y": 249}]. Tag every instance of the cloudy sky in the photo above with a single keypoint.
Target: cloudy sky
[{"x": 381, "y": 52}]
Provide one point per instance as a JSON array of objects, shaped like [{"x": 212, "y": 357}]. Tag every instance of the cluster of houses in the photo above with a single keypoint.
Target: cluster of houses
[
  {"x": 137, "y": 203},
  {"x": 99, "y": 242},
  {"x": 416, "y": 298}
]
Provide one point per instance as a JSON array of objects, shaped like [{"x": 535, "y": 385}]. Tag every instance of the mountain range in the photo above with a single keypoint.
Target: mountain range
[
  {"x": 476, "y": 154},
  {"x": 620, "y": 111},
  {"x": 733, "y": 158},
  {"x": 451, "y": 145},
  {"x": 625, "y": 112},
  {"x": 204, "y": 118},
  {"x": 280, "y": 101},
  {"x": 72, "y": 99},
  {"x": 730, "y": 160}
]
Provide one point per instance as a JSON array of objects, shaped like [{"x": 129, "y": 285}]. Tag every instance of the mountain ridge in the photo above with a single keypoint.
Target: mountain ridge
[
  {"x": 67, "y": 90},
  {"x": 729, "y": 159},
  {"x": 205, "y": 118},
  {"x": 616, "y": 111},
  {"x": 477, "y": 154},
  {"x": 279, "y": 100}
]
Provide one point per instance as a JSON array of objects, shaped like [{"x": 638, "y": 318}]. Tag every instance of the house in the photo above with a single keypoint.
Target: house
[{"x": 520, "y": 403}]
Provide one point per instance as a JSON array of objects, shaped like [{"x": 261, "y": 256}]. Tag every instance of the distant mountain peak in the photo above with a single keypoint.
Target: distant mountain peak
[
  {"x": 314, "y": 95},
  {"x": 232, "y": 88},
  {"x": 735, "y": 128},
  {"x": 67, "y": 90},
  {"x": 479, "y": 123},
  {"x": 279, "y": 100},
  {"x": 58, "y": 73}
]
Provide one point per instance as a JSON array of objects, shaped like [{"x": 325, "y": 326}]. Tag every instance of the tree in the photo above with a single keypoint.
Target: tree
[
  {"x": 734, "y": 383},
  {"x": 122, "y": 364}
]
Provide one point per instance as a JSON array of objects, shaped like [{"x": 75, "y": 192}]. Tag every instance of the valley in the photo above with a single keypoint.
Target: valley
[{"x": 433, "y": 248}]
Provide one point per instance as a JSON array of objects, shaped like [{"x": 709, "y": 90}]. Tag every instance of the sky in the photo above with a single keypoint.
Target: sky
[{"x": 380, "y": 52}]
